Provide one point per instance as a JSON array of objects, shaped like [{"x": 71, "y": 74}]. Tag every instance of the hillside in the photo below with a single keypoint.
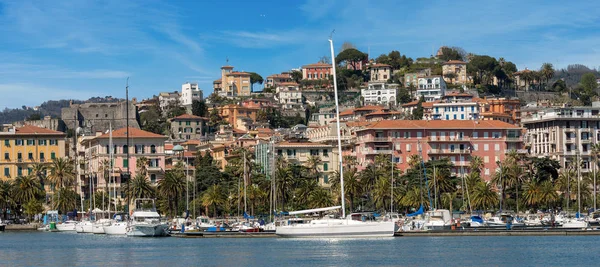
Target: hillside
[{"x": 49, "y": 108}]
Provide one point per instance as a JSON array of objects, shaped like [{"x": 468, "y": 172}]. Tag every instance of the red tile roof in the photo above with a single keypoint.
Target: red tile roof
[
  {"x": 347, "y": 112},
  {"x": 441, "y": 124},
  {"x": 410, "y": 104},
  {"x": 288, "y": 76},
  {"x": 454, "y": 62},
  {"x": 188, "y": 117},
  {"x": 289, "y": 84},
  {"x": 133, "y": 133},
  {"x": 238, "y": 73},
  {"x": 458, "y": 94},
  {"x": 317, "y": 65},
  {"x": 369, "y": 108},
  {"x": 227, "y": 67},
  {"x": 380, "y": 66},
  {"x": 34, "y": 130},
  {"x": 217, "y": 81}
]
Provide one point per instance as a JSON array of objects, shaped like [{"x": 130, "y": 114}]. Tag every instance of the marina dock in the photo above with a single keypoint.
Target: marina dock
[
  {"x": 500, "y": 232},
  {"x": 21, "y": 227},
  {"x": 224, "y": 235}
]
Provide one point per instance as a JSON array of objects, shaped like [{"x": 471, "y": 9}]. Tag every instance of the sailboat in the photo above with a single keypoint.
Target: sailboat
[
  {"x": 353, "y": 225},
  {"x": 578, "y": 222}
]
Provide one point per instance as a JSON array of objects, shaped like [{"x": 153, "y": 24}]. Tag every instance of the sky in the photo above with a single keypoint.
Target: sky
[{"x": 78, "y": 49}]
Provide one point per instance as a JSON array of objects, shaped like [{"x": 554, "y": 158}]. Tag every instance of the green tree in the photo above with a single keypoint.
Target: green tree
[
  {"x": 67, "y": 201},
  {"x": 403, "y": 96},
  {"x": 417, "y": 113},
  {"x": 199, "y": 108},
  {"x": 449, "y": 53},
  {"x": 34, "y": 117},
  {"x": 320, "y": 198},
  {"x": 296, "y": 76},
  {"x": 6, "y": 189},
  {"x": 170, "y": 188},
  {"x": 451, "y": 76},
  {"x": 547, "y": 72},
  {"x": 482, "y": 68},
  {"x": 152, "y": 121},
  {"x": 25, "y": 189},
  {"x": 589, "y": 83},
  {"x": 62, "y": 173},
  {"x": 254, "y": 79},
  {"x": 484, "y": 197},
  {"x": 559, "y": 86},
  {"x": 213, "y": 197},
  {"x": 351, "y": 56},
  {"x": 139, "y": 187},
  {"x": 32, "y": 208}
]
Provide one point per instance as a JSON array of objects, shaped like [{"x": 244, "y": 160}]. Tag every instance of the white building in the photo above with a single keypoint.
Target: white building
[
  {"x": 564, "y": 134},
  {"x": 320, "y": 119},
  {"x": 189, "y": 93},
  {"x": 456, "y": 106},
  {"x": 432, "y": 88},
  {"x": 289, "y": 95},
  {"x": 379, "y": 93},
  {"x": 166, "y": 98}
]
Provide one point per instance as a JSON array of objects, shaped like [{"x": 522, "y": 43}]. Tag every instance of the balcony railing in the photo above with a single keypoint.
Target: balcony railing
[
  {"x": 368, "y": 139},
  {"x": 154, "y": 168},
  {"x": 377, "y": 151},
  {"x": 448, "y": 139},
  {"x": 514, "y": 139},
  {"x": 586, "y": 141},
  {"x": 448, "y": 151}
]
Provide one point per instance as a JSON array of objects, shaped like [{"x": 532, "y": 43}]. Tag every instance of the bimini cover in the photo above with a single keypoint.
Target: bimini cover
[
  {"x": 418, "y": 212},
  {"x": 476, "y": 219}
]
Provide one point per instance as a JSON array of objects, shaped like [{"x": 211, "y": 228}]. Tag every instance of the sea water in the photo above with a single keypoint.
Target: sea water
[{"x": 71, "y": 249}]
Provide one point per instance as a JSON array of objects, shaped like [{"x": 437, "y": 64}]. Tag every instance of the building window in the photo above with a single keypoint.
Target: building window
[
  {"x": 325, "y": 179},
  {"x": 153, "y": 178},
  {"x": 30, "y": 142},
  {"x": 19, "y": 156},
  {"x": 7, "y": 142},
  {"x": 7, "y": 172},
  {"x": 52, "y": 155},
  {"x": 486, "y": 147},
  {"x": 19, "y": 142},
  {"x": 6, "y": 156},
  {"x": 325, "y": 153},
  {"x": 475, "y": 147},
  {"x": 486, "y": 159},
  {"x": 408, "y": 146},
  {"x": 475, "y": 134},
  {"x": 53, "y": 142},
  {"x": 153, "y": 149},
  {"x": 125, "y": 163},
  {"x": 497, "y": 147},
  {"x": 188, "y": 123},
  {"x": 325, "y": 167},
  {"x": 462, "y": 116},
  {"x": 139, "y": 149},
  {"x": 314, "y": 152},
  {"x": 485, "y": 135},
  {"x": 19, "y": 171},
  {"x": 42, "y": 156},
  {"x": 42, "y": 142},
  {"x": 125, "y": 149},
  {"x": 30, "y": 156}
]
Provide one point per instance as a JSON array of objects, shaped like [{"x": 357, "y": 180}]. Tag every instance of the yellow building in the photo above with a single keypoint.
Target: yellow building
[
  {"x": 232, "y": 83},
  {"x": 231, "y": 113},
  {"x": 21, "y": 148}
]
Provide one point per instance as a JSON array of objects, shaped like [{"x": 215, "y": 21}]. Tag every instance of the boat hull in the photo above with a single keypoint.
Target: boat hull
[
  {"x": 86, "y": 228},
  {"x": 148, "y": 230},
  {"x": 380, "y": 229},
  {"x": 119, "y": 228},
  {"x": 98, "y": 228},
  {"x": 65, "y": 227},
  {"x": 2, "y": 227}
]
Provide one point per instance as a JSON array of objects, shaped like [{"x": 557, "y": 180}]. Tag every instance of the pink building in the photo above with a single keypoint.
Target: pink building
[
  {"x": 457, "y": 140},
  {"x": 317, "y": 71},
  {"x": 141, "y": 144}
]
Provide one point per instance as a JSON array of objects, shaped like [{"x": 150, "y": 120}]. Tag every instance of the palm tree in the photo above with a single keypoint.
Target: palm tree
[
  {"x": 320, "y": 197},
  {"x": 5, "y": 196},
  {"x": 171, "y": 188},
  {"x": 26, "y": 188},
  {"x": 141, "y": 164},
  {"x": 595, "y": 153},
  {"x": 312, "y": 164},
  {"x": 381, "y": 193},
  {"x": 476, "y": 164},
  {"x": 139, "y": 187},
  {"x": 566, "y": 179},
  {"x": 39, "y": 171},
  {"x": 412, "y": 198},
  {"x": 67, "y": 200},
  {"x": 447, "y": 199},
  {"x": 547, "y": 71},
  {"x": 213, "y": 197},
  {"x": 548, "y": 193},
  {"x": 414, "y": 161},
  {"x": 483, "y": 196},
  {"x": 62, "y": 172}
]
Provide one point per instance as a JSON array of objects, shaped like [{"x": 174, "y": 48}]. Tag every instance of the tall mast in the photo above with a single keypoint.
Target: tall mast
[
  {"x": 127, "y": 137},
  {"x": 339, "y": 137},
  {"x": 245, "y": 185},
  {"x": 578, "y": 186}
]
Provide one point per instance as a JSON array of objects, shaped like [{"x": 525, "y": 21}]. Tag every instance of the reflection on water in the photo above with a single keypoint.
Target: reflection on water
[{"x": 53, "y": 249}]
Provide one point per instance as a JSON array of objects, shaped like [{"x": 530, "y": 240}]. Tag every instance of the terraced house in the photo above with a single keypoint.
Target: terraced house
[{"x": 25, "y": 146}]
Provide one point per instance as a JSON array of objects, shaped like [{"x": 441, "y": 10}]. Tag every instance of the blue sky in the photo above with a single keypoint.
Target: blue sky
[{"x": 78, "y": 49}]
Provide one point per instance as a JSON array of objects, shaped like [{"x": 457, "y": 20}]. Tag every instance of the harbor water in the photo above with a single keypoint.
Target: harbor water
[{"x": 71, "y": 249}]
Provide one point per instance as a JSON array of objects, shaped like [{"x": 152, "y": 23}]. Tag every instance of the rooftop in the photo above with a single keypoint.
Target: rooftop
[
  {"x": 300, "y": 144},
  {"x": 378, "y": 65},
  {"x": 454, "y": 62},
  {"x": 33, "y": 130},
  {"x": 317, "y": 65},
  {"x": 133, "y": 133},
  {"x": 188, "y": 117},
  {"x": 441, "y": 124}
]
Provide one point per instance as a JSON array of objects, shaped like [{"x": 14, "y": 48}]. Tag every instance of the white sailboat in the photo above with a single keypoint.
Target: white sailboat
[
  {"x": 576, "y": 223},
  {"x": 67, "y": 226},
  {"x": 352, "y": 225},
  {"x": 116, "y": 226},
  {"x": 146, "y": 222}
]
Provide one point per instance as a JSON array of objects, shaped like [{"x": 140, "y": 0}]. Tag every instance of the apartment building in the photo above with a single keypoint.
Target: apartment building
[
  {"x": 317, "y": 71},
  {"x": 232, "y": 83},
  {"x": 22, "y": 147},
  {"x": 231, "y": 113},
  {"x": 458, "y": 69},
  {"x": 290, "y": 96},
  {"x": 564, "y": 134},
  {"x": 380, "y": 72},
  {"x": 189, "y": 93},
  {"x": 274, "y": 80},
  {"x": 502, "y": 109},
  {"x": 95, "y": 152},
  {"x": 299, "y": 152},
  {"x": 432, "y": 88},
  {"x": 188, "y": 127},
  {"x": 457, "y": 140}
]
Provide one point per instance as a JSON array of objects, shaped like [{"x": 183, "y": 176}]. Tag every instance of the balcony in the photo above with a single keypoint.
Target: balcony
[
  {"x": 570, "y": 140},
  {"x": 371, "y": 139},
  {"x": 154, "y": 168},
  {"x": 586, "y": 141},
  {"x": 514, "y": 139},
  {"x": 448, "y": 151},
  {"x": 448, "y": 139},
  {"x": 377, "y": 151}
]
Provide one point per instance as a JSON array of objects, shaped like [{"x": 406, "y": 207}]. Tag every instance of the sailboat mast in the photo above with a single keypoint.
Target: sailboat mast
[
  {"x": 424, "y": 175},
  {"x": 339, "y": 137},
  {"x": 578, "y": 186},
  {"x": 245, "y": 185}
]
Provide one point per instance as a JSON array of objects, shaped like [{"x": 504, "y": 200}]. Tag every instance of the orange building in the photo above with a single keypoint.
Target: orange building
[
  {"x": 232, "y": 83},
  {"x": 501, "y": 109},
  {"x": 232, "y": 112}
]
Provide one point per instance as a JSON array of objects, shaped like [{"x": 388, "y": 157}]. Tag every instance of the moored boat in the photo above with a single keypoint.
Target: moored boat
[
  {"x": 145, "y": 221},
  {"x": 67, "y": 226}
]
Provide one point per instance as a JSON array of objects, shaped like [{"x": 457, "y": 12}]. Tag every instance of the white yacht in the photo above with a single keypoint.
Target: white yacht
[
  {"x": 84, "y": 227},
  {"x": 145, "y": 221},
  {"x": 574, "y": 223},
  {"x": 98, "y": 226},
  {"x": 67, "y": 226},
  {"x": 502, "y": 220},
  {"x": 115, "y": 228},
  {"x": 437, "y": 220},
  {"x": 354, "y": 225}
]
